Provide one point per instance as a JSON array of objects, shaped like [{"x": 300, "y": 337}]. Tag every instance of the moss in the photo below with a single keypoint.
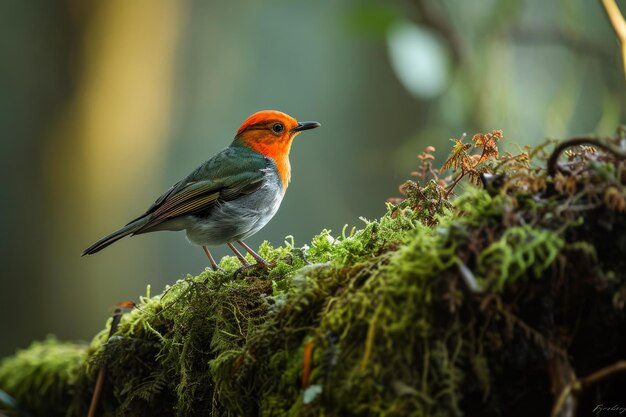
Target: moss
[
  {"x": 43, "y": 376},
  {"x": 438, "y": 308}
]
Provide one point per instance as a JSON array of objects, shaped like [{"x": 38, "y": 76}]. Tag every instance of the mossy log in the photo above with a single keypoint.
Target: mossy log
[{"x": 507, "y": 300}]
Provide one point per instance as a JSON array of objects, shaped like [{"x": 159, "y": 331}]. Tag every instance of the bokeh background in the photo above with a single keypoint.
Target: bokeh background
[{"x": 106, "y": 103}]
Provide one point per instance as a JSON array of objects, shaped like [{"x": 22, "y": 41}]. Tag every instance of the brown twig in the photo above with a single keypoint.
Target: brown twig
[
  {"x": 97, "y": 391},
  {"x": 454, "y": 184},
  {"x": 604, "y": 373},
  {"x": 619, "y": 25},
  {"x": 573, "y": 390},
  {"x": 561, "y": 378}
]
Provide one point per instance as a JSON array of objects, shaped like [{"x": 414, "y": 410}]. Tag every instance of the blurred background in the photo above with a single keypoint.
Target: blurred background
[{"x": 106, "y": 103}]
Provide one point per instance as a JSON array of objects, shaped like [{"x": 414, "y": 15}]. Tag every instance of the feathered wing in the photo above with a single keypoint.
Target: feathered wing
[
  {"x": 227, "y": 176},
  {"x": 201, "y": 195}
]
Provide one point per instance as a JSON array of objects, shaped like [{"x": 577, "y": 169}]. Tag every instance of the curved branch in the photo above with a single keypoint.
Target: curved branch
[{"x": 602, "y": 143}]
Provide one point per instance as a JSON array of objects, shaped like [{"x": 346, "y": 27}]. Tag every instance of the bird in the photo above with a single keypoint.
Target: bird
[{"x": 229, "y": 197}]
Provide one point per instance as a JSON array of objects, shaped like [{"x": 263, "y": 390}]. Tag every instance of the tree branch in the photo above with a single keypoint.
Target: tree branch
[{"x": 619, "y": 25}]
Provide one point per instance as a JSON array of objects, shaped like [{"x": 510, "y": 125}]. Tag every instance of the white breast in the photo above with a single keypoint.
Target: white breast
[{"x": 238, "y": 219}]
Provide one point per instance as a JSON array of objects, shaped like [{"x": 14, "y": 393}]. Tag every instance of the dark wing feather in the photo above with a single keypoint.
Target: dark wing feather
[
  {"x": 192, "y": 191},
  {"x": 204, "y": 188},
  {"x": 158, "y": 202}
]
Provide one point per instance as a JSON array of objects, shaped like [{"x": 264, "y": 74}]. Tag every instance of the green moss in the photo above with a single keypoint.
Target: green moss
[
  {"x": 521, "y": 251},
  {"x": 385, "y": 310},
  {"x": 43, "y": 376}
]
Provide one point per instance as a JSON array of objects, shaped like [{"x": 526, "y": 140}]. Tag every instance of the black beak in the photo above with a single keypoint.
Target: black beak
[{"x": 305, "y": 126}]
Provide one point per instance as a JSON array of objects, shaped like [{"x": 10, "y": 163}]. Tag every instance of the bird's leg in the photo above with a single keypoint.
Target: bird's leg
[
  {"x": 214, "y": 264},
  {"x": 260, "y": 262},
  {"x": 256, "y": 256},
  {"x": 239, "y": 256}
]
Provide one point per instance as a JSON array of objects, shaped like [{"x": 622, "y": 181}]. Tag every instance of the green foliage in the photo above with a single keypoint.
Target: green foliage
[
  {"x": 521, "y": 251},
  {"x": 43, "y": 376},
  {"x": 435, "y": 309}
]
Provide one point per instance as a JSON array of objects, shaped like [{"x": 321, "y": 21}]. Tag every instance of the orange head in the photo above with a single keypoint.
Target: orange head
[{"x": 270, "y": 133}]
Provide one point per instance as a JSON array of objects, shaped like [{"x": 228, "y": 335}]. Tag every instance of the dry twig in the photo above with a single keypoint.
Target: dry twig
[
  {"x": 117, "y": 316},
  {"x": 572, "y": 391}
]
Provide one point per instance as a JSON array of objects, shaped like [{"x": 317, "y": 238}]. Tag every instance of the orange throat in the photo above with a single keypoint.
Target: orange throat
[
  {"x": 284, "y": 169},
  {"x": 279, "y": 152}
]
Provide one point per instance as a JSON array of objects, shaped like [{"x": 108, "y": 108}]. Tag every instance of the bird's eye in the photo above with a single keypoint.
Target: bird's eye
[{"x": 278, "y": 127}]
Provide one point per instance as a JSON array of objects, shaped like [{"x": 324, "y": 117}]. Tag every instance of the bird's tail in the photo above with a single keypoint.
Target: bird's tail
[{"x": 129, "y": 229}]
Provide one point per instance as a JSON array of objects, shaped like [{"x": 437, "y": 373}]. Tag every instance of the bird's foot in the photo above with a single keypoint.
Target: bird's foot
[{"x": 261, "y": 265}]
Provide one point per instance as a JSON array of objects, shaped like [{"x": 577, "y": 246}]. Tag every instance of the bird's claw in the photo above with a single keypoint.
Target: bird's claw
[{"x": 262, "y": 265}]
